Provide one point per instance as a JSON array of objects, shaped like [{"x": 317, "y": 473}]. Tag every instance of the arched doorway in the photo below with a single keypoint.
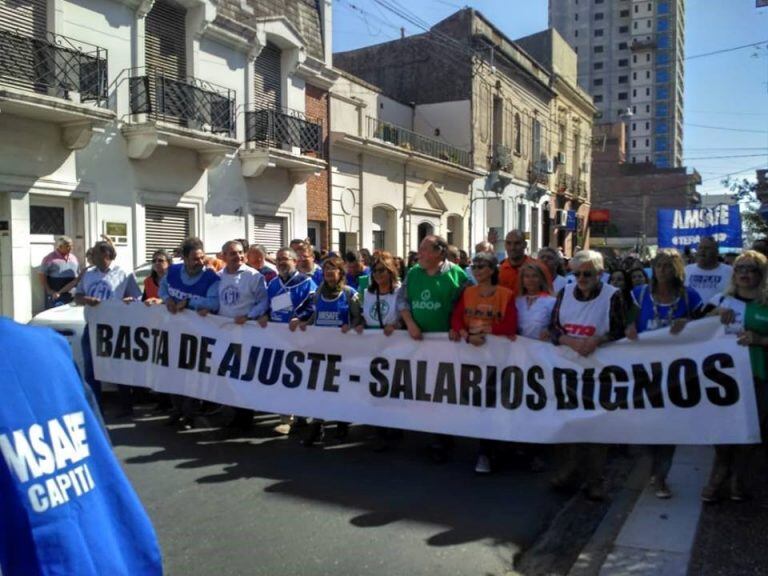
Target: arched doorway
[
  {"x": 455, "y": 232},
  {"x": 425, "y": 229}
]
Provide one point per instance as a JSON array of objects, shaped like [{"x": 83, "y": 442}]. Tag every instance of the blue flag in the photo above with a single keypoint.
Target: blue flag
[
  {"x": 65, "y": 505},
  {"x": 679, "y": 228}
]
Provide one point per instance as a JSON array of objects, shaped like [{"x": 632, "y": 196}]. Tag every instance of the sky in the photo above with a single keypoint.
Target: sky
[{"x": 725, "y": 111}]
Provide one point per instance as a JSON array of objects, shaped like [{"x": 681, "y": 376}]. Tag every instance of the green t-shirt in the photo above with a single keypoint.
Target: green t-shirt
[
  {"x": 432, "y": 297},
  {"x": 756, "y": 320}
]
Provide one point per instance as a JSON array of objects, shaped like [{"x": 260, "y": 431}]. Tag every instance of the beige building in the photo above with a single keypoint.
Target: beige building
[{"x": 391, "y": 186}]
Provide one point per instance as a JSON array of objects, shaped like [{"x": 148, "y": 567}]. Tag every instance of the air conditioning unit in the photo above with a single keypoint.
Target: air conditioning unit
[
  {"x": 561, "y": 218},
  {"x": 561, "y": 159},
  {"x": 585, "y": 167}
]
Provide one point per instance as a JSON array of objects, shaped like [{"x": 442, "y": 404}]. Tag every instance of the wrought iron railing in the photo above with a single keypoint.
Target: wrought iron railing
[
  {"x": 191, "y": 102},
  {"x": 285, "y": 128},
  {"x": 537, "y": 172},
  {"x": 54, "y": 65},
  {"x": 413, "y": 141}
]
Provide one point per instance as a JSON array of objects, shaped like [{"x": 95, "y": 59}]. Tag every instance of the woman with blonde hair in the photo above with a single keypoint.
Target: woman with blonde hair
[
  {"x": 665, "y": 302},
  {"x": 743, "y": 308},
  {"x": 535, "y": 301}
]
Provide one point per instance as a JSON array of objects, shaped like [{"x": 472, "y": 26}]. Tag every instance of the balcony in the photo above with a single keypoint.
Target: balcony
[
  {"x": 501, "y": 160},
  {"x": 413, "y": 142},
  {"x": 189, "y": 113},
  {"x": 642, "y": 44},
  {"x": 282, "y": 138},
  {"x": 55, "y": 79},
  {"x": 537, "y": 173}
]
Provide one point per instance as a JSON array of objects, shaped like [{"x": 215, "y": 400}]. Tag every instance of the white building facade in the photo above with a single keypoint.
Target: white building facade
[{"x": 153, "y": 121}]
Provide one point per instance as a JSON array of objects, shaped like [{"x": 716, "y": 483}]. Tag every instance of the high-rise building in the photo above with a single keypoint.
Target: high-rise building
[{"x": 630, "y": 55}]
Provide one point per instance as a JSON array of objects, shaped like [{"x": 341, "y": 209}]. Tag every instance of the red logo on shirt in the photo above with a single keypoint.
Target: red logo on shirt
[{"x": 579, "y": 330}]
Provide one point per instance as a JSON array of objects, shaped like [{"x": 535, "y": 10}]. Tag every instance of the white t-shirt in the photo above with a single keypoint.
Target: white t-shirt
[
  {"x": 533, "y": 317},
  {"x": 387, "y": 305},
  {"x": 112, "y": 284},
  {"x": 708, "y": 283},
  {"x": 239, "y": 292}
]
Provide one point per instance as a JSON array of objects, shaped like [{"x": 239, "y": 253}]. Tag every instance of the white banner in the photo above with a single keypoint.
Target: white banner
[{"x": 692, "y": 388}]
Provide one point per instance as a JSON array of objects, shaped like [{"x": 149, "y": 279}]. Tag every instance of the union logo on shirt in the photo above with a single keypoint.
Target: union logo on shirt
[
  {"x": 101, "y": 290},
  {"x": 579, "y": 330},
  {"x": 230, "y": 295}
]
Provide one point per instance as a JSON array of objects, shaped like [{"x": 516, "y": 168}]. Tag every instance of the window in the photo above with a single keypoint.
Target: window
[
  {"x": 598, "y": 49},
  {"x": 662, "y": 128},
  {"x": 662, "y": 93},
  {"x": 662, "y": 75},
  {"x": 647, "y": 143},
  {"x": 634, "y": 25},
  {"x": 634, "y": 75},
  {"x": 647, "y": 91},
  {"x": 647, "y": 74},
  {"x": 576, "y": 17},
  {"x": 650, "y": 7},
  {"x": 518, "y": 134},
  {"x": 598, "y": 1},
  {"x": 647, "y": 107},
  {"x": 634, "y": 59},
  {"x": 623, "y": 62},
  {"x": 597, "y": 66},
  {"x": 536, "y": 140},
  {"x": 634, "y": 109},
  {"x": 662, "y": 25},
  {"x": 647, "y": 125},
  {"x": 662, "y": 41},
  {"x": 624, "y": 14},
  {"x": 46, "y": 220},
  {"x": 597, "y": 82},
  {"x": 660, "y": 143},
  {"x": 647, "y": 57},
  {"x": 623, "y": 46},
  {"x": 599, "y": 16},
  {"x": 662, "y": 111},
  {"x": 623, "y": 79},
  {"x": 662, "y": 58},
  {"x": 663, "y": 7},
  {"x": 648, "y": 24},
  {"x": 636, "y": 9},
  {"x": 662, "y": 161},
  {"x": 623, "y": 29},
  {"x": 634, "y": 143},
  {"x": 634, "y": 92},
  {"x": 576, "y": 33},
  {"x": 622, "y": 95},
  {"x": 598, "y": 99},
  {"x": 598, "y": 32}
]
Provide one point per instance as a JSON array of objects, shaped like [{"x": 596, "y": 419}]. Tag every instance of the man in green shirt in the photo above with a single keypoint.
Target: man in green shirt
[{"x": 425, "y": 302}]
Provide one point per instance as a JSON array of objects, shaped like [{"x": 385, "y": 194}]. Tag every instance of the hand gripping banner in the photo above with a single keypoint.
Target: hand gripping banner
[{"x": 692, "y": 388}]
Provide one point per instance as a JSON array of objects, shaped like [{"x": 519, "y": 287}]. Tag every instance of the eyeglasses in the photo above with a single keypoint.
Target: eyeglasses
[
  {"x": 584, "y": 273},
  {"x": 746, "y": 269}
]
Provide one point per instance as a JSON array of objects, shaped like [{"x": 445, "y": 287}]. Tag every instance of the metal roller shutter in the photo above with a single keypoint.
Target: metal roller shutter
[
  {"x": 27, "y": 17},
  {"x": 165, "y": 228},
  {"x": 270, "y": 232},
  {"x": 165, "y": 45},
  {"x": 267, "y": 78}
]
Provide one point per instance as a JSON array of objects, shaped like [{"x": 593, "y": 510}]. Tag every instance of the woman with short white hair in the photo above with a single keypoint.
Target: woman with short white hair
[{"x": 587, "y": 314}]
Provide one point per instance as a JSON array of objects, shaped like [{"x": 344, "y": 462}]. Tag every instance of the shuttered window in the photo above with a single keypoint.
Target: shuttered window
[
  {"x": 270, "y": 232},
  {"x": 165, "y": 228},
  {"x": 27, "y": 17},
  {"x": 267, "y": 78},
  {"x": 165, "y": 45}
]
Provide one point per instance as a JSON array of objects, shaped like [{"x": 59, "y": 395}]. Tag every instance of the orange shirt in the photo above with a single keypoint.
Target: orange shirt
[
  {"x": 495, "y": 314},
  {"x": 509, "y": 275}
]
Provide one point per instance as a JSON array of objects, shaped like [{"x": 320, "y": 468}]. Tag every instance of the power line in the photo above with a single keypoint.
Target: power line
[
  {"x": 727, "y": 128},
  {"x": 723, "y": 157},
  {"x": 724, "y": 50},
  {"x": 721, "y": 148}
]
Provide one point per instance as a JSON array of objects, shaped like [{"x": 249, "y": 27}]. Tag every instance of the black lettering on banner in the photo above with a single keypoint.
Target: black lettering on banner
[
  {"x": 566, "y": 381},
  {"x": 490, "y": 387},
  {"x": 205, "y": 354},
  {"x": 683, "y": 383},
  {"x": 379, "y": 388},
  {"x": 402, "y": 380},
  {"x": 160, "y": 347},
  {"x": 250, "y": 370},
  {"x": 588, "y": 389},
  {"x": 314, "y": 369},
  {"x": 537, "y": 400},
  {"x": 614, "y": 397},
  {"x": 647, "y": 386},
  {"x": 471, "y": 377},
  {"x": 123, "y": 344},
  {"x": 445, "y": 384},
  {"x": 728, "y": 393},
  {"x": 292, "y": 360},
  {"x": 141, "y": 349},
  {"x": 230, "y": 363},
  {"x": 270, "y": 365},
  {"x": 421, "y": 382},
  {"x": 511, "y": 387},
  {"x": 187, "y": 352},
  {"x": 331, "y": 373},
  {"x": 103, "y": 340}
]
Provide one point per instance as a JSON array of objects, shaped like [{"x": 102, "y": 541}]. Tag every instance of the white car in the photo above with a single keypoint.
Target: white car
[{"x": 69, "y": 320}]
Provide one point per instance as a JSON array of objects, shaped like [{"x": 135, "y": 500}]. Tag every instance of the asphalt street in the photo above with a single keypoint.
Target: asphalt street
[{"x": 261, "y": 503}]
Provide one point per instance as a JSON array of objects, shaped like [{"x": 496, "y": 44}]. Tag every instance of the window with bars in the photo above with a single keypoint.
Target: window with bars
[{"x": 46, "y": 220}]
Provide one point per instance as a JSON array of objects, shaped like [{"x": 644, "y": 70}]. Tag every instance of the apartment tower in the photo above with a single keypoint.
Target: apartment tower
[{"x": 630, "y": 57}]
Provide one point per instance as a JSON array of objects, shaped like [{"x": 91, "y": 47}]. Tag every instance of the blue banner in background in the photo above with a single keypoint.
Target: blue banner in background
[
  {"x": 570, "y": 220},
  {"x": 685, "y": 227}
]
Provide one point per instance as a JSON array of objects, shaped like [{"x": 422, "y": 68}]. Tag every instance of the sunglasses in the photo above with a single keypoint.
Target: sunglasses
[
  {"x": 746, "y": 269},
  {"x": 585, "y": 273}
]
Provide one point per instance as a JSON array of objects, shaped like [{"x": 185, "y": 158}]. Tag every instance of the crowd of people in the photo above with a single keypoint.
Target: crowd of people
[{"x": 580, "y": 303}]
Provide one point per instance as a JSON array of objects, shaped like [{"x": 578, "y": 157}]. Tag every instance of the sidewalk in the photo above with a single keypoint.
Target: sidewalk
[{"x": 682, "y": 535}]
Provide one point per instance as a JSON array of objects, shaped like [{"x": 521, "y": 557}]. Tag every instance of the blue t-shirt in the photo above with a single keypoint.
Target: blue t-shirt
[
  {"x": 67, "y": 507},
  {"x": 299, "y": 289},
  {"x": 333, "y": 312},
  {"x": 653, "y": 317}
]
